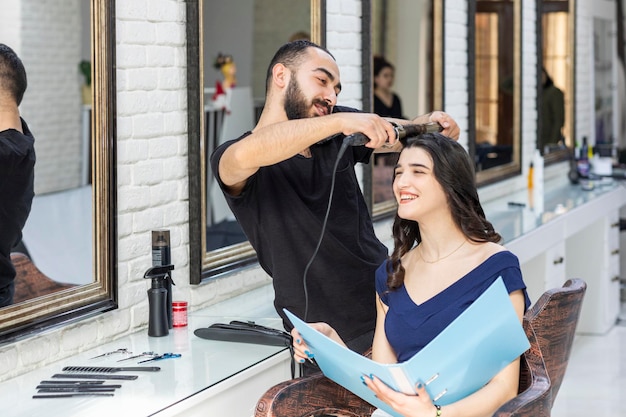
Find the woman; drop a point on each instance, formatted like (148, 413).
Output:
(445, 256)
(386, 102)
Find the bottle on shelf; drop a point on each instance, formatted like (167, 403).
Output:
(582, 164)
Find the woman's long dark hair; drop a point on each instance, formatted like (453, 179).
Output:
(454, 171)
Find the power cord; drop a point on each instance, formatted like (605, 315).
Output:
(344, 145)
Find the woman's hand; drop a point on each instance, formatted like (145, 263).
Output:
(418, 405)
(301, 350)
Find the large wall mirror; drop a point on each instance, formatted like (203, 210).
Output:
(495, 94)
(555, 137)
(407, 34)
(230, 41)
(66, 260)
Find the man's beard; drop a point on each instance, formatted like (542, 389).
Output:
(296, 104)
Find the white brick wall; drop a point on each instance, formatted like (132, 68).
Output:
(152, 152)
(455, 65)
(52, 106)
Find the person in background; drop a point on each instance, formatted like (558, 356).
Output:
(386, 101)
(552, 113)
(446, 254)
(277, 180)
(17, 164)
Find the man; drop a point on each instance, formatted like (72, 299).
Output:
(17, 163)
(277, 180)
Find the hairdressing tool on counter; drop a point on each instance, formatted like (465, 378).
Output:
(163, 356)
(74, 394)
(138, 356)
(124, 350)
(108, 370)
(93, 388)
(79, 382)
(96, 376)
(61, 385)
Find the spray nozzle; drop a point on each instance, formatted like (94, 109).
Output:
(159, 275)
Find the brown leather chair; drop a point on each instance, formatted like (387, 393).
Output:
(554, 318)
(30, 282)
(549, 324)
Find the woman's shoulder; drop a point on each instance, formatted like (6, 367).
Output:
(491, 249)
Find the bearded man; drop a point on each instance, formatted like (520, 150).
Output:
(277, 180)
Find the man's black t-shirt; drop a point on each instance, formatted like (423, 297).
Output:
(282, 209)
(17, 163)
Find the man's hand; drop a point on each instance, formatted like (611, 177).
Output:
(450, 127)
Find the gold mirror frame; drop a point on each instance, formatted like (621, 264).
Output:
(35, 315)
(388, 208)
(500, 172)
(203, 264)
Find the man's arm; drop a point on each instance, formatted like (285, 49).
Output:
(274, 143)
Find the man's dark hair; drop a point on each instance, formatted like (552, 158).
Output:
(290, 55)
(12, 73)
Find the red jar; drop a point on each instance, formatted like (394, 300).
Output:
(179, 313)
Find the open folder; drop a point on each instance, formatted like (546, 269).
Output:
(479, 343)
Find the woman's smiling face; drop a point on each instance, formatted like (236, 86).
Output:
(415, 187)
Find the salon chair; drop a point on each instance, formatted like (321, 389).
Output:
(550, 326)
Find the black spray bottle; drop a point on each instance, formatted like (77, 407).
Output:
(162, 255)
(157, 300)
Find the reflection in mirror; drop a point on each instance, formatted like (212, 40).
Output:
(65, 260)
(495, 136)
(603, 49)
(404, 33)
(556, 90)
(236, 41)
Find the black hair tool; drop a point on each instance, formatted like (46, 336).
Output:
(402, 132)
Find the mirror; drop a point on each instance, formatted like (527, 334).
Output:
(603, 53)
(556, 94)
(247, 33)
(74, 171)
(404, 33)
(494, 111)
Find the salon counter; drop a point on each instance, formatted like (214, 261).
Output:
(566, 232)
(199, 383)
(563, 231)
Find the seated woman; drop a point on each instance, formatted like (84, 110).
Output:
(445, 256)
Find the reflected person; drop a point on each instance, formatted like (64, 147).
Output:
(17, 164)
(552, 113)
(277, 180)
(386, 102)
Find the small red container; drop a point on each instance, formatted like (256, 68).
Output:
(179, 313)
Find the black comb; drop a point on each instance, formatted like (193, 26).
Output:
(95, 376)
(110, 370)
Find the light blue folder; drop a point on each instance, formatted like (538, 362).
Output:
(479, 343)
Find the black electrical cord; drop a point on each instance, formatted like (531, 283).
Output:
(342, 150)
(357, 139)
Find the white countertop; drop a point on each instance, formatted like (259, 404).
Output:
(558, 197)
(203, 364)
